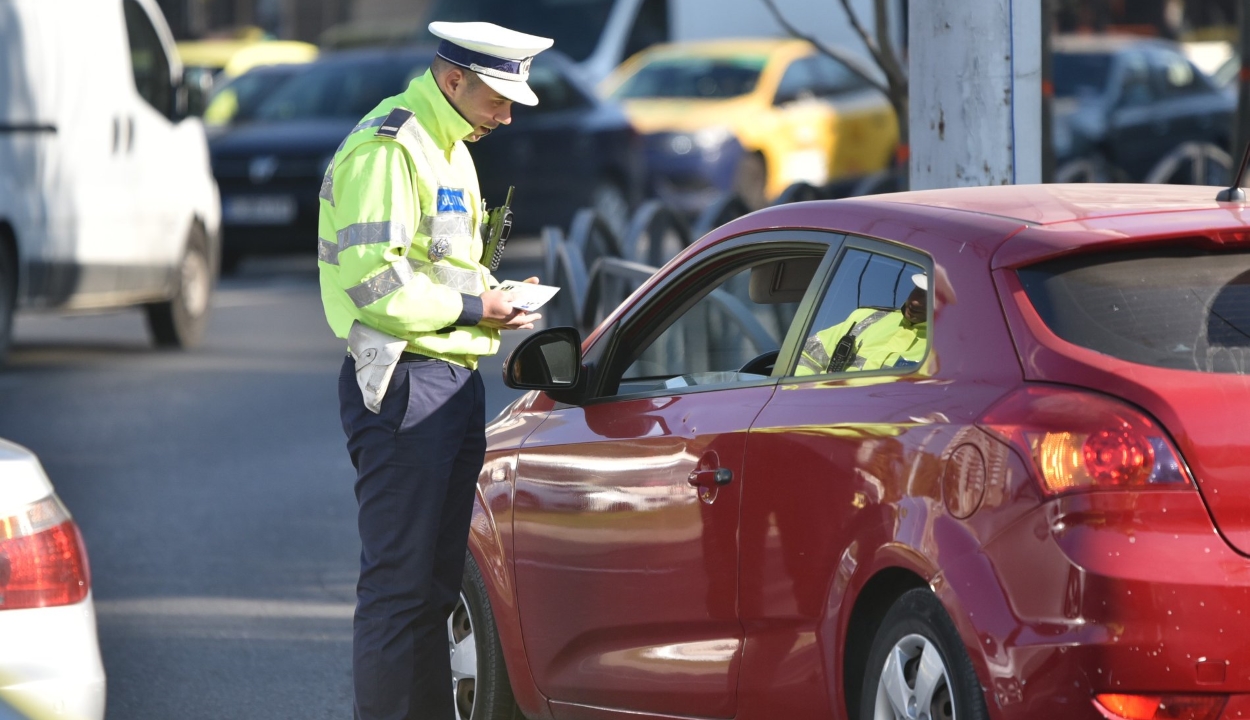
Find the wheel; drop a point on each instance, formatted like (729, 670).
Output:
(180, 321)
(479, 677)
(761, 364)
(611, 203)
(8, 296)
(918, 668)
(750, 179)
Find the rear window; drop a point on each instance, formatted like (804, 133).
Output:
(1180, 309)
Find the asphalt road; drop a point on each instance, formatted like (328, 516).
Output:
(214, 492)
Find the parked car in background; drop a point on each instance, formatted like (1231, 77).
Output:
(106, 195)
(750, 116)
(570, 151)
(1029, 505)
(210, 62)
(236, 101)
(50, 663)
(1123, 103)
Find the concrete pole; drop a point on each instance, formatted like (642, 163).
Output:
(976, 92)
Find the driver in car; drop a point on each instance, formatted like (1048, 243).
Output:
(871, 338)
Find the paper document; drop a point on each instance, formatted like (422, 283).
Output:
(528, 296)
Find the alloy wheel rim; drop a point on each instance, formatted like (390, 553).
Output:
(914, 684)
(461, 640)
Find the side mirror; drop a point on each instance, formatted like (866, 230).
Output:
(549, 360)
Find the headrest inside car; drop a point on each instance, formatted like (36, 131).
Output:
(782, 281)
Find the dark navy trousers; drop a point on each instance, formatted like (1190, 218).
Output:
(417, 464)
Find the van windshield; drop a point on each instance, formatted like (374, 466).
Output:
(575, 25)
(693, 77)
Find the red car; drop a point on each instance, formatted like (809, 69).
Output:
(968, 453)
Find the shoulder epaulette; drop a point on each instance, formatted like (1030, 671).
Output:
(394, 121)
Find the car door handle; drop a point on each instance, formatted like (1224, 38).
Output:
(711, 478)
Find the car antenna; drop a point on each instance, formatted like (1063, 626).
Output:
(1235, 193)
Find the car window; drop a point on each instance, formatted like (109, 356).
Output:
(1078, 74)
(1175, 76)
(834, 77)
(238, 99)
(668, 76)
(148, 60)
(799, 80)
(338, 90)
(1178, 308)
(743, 314)
(1136, 87)
(873, 316)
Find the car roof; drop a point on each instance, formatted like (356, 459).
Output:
(1050, 204)
(727, 46)
(1015, 224)
(1103, 44)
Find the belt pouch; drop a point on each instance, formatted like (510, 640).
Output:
(376, 354)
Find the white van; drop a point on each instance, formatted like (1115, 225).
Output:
(107, 199)
(600, 34)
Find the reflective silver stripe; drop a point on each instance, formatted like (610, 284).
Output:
(327, 185)
(448, 225)
(465, 281)
(814, 356)
(374, 232)
(327, 252)
(379, 286)
(859, 328)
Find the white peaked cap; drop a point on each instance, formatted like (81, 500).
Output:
(501, 57)
(921, 280)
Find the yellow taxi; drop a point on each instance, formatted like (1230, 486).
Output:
(210, 62)
(752, 116)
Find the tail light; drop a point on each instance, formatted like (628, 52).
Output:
(1114, 706)
(42, 559)
(1079, 440)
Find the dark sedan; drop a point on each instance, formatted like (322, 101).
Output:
(570, 151)
(1122, 104)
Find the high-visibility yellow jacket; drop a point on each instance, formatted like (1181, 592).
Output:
(882, 339)
(399, 245)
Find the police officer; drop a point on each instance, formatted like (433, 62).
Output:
(871, 339)
(402, 280)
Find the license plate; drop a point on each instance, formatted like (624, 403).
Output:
(258, 210)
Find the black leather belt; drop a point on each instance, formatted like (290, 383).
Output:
(414, 357)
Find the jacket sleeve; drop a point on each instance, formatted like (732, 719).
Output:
(376, 214)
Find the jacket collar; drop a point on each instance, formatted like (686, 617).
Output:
(442, 121)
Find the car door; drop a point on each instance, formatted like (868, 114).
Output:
(148, 132)
(824, 454)
(627, 507)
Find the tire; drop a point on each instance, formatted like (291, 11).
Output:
(917, 634)
(750, 180)
(180, 321)
(480, 682)
(8, 295)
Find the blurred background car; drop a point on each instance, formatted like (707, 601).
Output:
(752, 117)
(1122, 103)
(571, 150)
(208, 63)
(237, 100)
(50, 662)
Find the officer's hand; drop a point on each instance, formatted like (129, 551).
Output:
(497, 312)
